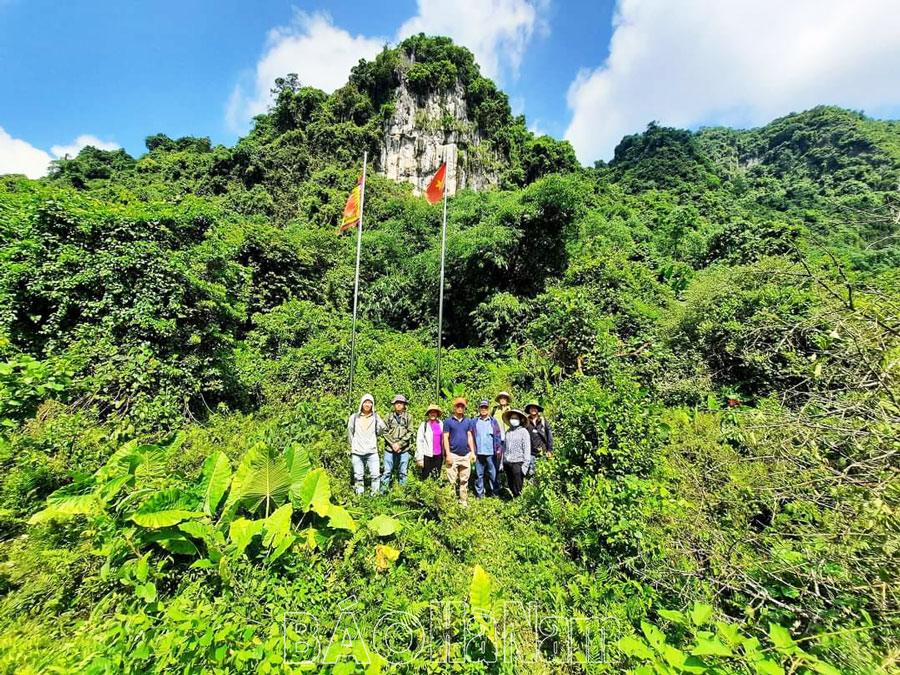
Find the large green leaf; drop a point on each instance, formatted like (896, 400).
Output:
(214, 540)
(673, 615)
(480, 589)
(71, 500)
(315, 493)
(633, 646)
(241, 533)
(277, 526)
(297, 459)
(711, 647)
(701, 613)
(674, 656)
(215, 476)
(654, 635)
(481, 602)
(824, 668)
(165, 508)
(384, 526)
(178, 544)
(339, 518)
(769, 667)
(261, 477)
(122, 461)
(781, 638)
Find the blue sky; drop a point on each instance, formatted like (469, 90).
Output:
(111, 73)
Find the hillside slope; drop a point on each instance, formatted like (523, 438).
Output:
(711, 322)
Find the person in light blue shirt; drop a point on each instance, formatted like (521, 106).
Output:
(488, 451)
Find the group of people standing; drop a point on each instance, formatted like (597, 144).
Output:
(497, 439)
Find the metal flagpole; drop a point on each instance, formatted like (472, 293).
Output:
(362, 199)
(441, 296)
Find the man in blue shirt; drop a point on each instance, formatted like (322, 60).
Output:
(488, 445)
(459, 448)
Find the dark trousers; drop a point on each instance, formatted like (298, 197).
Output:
(432, 466)
(514, 477)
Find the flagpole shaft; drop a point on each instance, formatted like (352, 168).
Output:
(362, 199)
(441, 291)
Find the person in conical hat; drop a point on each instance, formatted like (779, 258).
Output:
(429, 450)
(517, 450)
(541, 435)
(503, 400)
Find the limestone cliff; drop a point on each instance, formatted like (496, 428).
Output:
(424, 129)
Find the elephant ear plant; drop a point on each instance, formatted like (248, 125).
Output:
(275, 499)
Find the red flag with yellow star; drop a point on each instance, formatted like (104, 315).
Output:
(435, 191)
(350, 216)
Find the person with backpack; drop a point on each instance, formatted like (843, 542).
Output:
(541, 434)
(398, 437)
(503, 400)
(488, 451)
(429, 451)
(363, 429)
(459, 449)
(517, 450)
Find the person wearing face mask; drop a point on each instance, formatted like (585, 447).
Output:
(429, 453)
(517, 453)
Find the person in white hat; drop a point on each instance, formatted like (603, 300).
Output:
(429, 451)
(517, 453)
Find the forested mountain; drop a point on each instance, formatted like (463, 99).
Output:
(711, 321)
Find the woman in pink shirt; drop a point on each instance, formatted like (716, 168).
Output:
(428, 443)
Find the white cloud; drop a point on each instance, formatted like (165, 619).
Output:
(72, 149)
(313, 47)
(322, 54)
(535, 128)
(496, 31)
(738, 63)
(18, 156)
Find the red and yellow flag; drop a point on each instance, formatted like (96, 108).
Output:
(351, 209)
(435, 191)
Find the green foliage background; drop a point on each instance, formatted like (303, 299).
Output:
(711, 321)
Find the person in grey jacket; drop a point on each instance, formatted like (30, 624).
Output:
(517, 453)
(363, 429)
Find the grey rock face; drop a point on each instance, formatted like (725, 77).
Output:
(425, 129)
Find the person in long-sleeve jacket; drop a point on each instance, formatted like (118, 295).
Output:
(541, 434)
(488, 451)
(363, 429)
(398, 438)
(517, 453)
(429, 448)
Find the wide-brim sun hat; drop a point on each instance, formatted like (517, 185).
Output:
(510, 413)
(458, 400)
(534, 404)
(399, 398)
(503, 393)
(434, 407)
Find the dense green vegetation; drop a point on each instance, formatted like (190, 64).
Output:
(712, 321)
